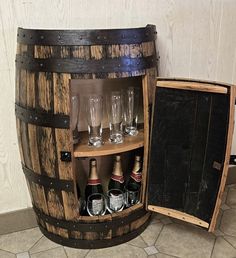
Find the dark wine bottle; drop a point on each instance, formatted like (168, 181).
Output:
(117, 179)
(94, 183)
(134, 182)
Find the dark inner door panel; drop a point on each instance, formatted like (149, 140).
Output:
(188, 143)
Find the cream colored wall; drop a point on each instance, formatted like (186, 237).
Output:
(195, 39)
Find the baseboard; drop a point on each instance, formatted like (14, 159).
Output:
(17, 221)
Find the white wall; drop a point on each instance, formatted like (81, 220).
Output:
(195, 39)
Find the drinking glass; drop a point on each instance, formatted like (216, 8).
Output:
(131, 197)
(94, 118)
(115, 116)
(96, 204)
(74, 117)
(115, 200)
(131, 111)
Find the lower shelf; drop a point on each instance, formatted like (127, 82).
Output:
(88, 233)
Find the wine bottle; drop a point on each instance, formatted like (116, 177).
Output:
(95, 200)
(134, 182)
(94, 183)
(115, 195)
(117, 179)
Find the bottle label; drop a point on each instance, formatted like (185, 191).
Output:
(94, 182)
(97, 206)
(116, 201)
(119, 179)
(136, 176)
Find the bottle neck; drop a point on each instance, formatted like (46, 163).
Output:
(137, 167)
(93, 176)
(116, 178)
(137, 177)
(94, 181)
(117, 170)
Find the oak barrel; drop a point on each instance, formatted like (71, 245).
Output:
(46, 61)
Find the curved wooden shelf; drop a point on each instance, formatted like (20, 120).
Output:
(108, 217)
(130, 143)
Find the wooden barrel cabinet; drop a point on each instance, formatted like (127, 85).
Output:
(187, 124)
(46, 63)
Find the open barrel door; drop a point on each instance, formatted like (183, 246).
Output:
(190, 144)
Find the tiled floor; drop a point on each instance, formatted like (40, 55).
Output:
(164, 238)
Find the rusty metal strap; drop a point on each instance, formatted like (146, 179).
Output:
(40, 118)
(86, 37)
(49, 182)
(90, 227)
(91, 244)
(78, 65)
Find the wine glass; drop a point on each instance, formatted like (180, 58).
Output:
(115, 200)
(74, 117)
(96, 204)
(94, 109)
(115, 116)
(131, 99)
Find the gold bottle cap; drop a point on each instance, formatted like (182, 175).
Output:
(117, 157)
(137, 158)
(93, 162)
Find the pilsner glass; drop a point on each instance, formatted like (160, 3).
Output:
(96, 204)
(131, 111)
(115, 116)
(74, 117)
(94, 117)
(115, 200)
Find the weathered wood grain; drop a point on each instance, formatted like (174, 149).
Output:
(61, 89)
(84, 53)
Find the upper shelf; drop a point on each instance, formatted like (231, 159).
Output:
(130, 143)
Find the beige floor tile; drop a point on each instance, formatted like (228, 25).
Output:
(224, 196)
(231, 240)
(42, 245)
(151, 233)
(76, 253)
(137, 241)
(224, 207)
(219, 218)
(161, 255)
(151, 250)
(119, 251)
(23, 255)
(231, 198)
(156, 217)
(185, 241)
(58, 252)
(217, 233)
(166, 221)
(4, 254)
(21, 241)
(228, 222)
(223, 249)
